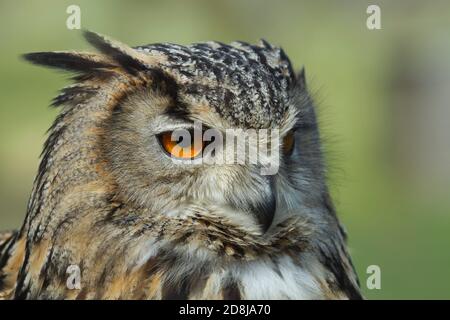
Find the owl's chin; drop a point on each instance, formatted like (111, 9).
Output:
(227, 215)
(224, 232)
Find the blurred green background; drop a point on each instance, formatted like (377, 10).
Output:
(383, 98)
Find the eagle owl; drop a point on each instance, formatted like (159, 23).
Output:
(109, 199)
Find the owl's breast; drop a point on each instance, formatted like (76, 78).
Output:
(283, 277)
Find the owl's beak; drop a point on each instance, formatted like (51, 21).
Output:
(266, 210)
(262, 207)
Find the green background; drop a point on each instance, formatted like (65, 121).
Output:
(381, 96)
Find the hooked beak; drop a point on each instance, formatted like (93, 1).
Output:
(265, 211)
(261, 207)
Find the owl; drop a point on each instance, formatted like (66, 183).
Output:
(115, 201)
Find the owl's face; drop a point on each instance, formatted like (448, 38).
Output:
(215, 87)
(142, 97)
(147, 214)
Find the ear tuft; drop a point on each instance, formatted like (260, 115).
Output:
(71, 61)
(301, 79)
(124, 55)
(264, 44)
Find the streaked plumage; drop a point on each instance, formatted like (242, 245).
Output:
(140, 227)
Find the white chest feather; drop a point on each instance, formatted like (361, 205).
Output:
(285, 280)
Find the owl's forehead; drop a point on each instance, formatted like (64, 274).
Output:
(248, 85)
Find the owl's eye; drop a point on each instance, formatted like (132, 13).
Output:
(182, 147)
(288, 143)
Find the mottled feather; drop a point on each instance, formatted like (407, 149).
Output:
(138, 227)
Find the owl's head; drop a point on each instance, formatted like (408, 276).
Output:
(143, 121)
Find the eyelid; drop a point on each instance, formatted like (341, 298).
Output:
(172, 127)
(165, 124)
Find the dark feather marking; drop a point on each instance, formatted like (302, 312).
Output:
(330, 207)
(66, 61)
(5, 247)
(131, 64)
(73, 94)
(163, 83)
(231, 291)
(111, 214)
(50, 270)
(2, 282)
(53, 267)
(150, 268)
(49, 146)
(176, 291)
(177, 112)
(285, 58)
(199, 280)
(99, 75)
(171, 290)
(5, 254)
(276, 267)
(22, 289)
(300, 80)
(336, 267)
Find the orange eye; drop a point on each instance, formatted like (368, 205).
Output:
(288, 143)
(183, 148)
